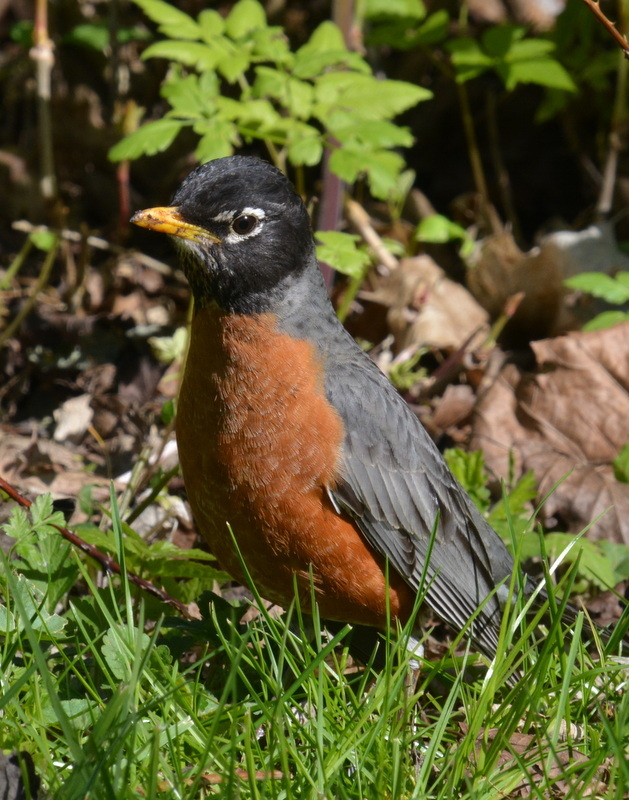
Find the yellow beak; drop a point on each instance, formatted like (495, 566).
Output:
(169, 220)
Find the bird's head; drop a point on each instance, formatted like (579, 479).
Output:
(242, 230)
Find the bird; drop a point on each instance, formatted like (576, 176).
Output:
(299, 457)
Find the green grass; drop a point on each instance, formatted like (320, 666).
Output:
(113, 705)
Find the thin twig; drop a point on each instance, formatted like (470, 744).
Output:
(107, 563)
(360, 221)
(621, 40)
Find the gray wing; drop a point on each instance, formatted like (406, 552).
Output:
(397, 488)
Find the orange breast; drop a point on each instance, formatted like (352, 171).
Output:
(259, 444)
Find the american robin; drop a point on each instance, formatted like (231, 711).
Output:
(288, 431)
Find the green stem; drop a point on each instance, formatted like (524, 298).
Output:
(28, 305)
(16, 264)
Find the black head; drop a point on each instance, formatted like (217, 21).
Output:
(242, 230)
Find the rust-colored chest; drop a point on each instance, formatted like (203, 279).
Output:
(259, 444)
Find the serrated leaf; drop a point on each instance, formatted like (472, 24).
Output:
(81, 712)
(600, 285)
(211, 23)
(593, 563)
(171, 21)
(119, 649)
(295, 95)
(187, 99)
(218, 138)
(325, 38)
(543, 72)
(325, 49)
(255, 113)
(366, 96)
(233, 65)
(305, 145)
(245, 16)
(340, 251)
(376, 133)
(32, 599)
(270, 44)
(191, 54)
(382, 168)
(151, 138)
(18, 525)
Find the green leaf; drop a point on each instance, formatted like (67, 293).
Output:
(32, 599)
(218, 138)
(468, 58)
(94, 35)
(377, 133)
(606, 320)
(366, 96)
(340, 251)
(191, 54)
(245, 16)
(120, 647)
(621, 465)
(618, 555)
(43, 240)
(295, 95)
(212, 25)
(469, 470)
(593, 564)
(530, 50)
(187, 99)
(167, 413)
(172, 22)
(381, 167)
(600, 285)
(168, 348)
(305, 145)
(18, 525)
(433, 30)
(326, 48)
(544, 72)
(499, 40)
(154, 137)
(270, 44)
(622, 277)
(437, 228)
(408, 9)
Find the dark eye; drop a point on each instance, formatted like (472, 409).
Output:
(244, 224)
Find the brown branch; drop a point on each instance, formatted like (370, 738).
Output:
(107, 563)
(621, 40)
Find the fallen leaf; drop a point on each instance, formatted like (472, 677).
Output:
(566, 422)
(73, 418)
(426, 308)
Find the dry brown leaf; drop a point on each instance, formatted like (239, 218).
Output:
(426, 308)
(572, 416)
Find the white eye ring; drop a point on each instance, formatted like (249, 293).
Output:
(245, 224)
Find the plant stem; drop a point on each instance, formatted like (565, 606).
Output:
(42, 55)
(28, 305)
